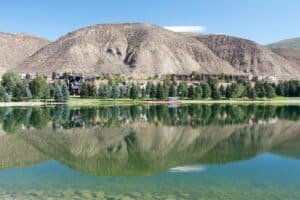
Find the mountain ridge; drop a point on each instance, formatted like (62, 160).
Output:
(292, 43)
(15, 48)
(142, 50)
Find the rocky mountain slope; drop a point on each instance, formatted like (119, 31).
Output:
(250, 57)
(142, 50)
(292, 55)
(15, 48)
(130, 49)
(293, 43)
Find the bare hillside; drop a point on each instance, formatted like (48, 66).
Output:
(250, 57)
(292, 55)
(130, 49)
(15, 48)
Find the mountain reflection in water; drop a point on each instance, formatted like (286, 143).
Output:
(145, 140)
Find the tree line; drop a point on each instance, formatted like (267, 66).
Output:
(13, 88)
(184, 90)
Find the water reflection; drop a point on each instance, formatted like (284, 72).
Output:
(145, 140)
(15, 119)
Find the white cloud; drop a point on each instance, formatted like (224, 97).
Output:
(193, 29)
(185, 169)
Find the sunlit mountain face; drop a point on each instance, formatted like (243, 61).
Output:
(115, 149)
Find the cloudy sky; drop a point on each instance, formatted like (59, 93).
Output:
(264, 21)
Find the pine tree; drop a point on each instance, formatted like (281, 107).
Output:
(133, 91)
(191, 92)
(198, 92)
(251, 94)
(143, 93)
(182, 90)
(148, 88)
(65, 92)
(159, 92)
(58, 96)
(259, 89)
(115, 92)
(152, 93)
(206, 90)
(103, 91)
(222, 90)
(270, 91)
(92, 90)
(172, 91)
(215, 93)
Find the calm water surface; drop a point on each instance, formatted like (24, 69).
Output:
(150, 152)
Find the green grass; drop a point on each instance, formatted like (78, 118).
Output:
(78, 101)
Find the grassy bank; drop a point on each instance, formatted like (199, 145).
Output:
(77, 101)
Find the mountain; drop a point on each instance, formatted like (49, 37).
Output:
(293, 43)
(15, 48)
(130, 49)
(250, 57)
(292, 55)
(141, 50)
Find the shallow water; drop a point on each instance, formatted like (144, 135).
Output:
(157, 152)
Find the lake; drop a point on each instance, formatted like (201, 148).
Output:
(150, 152)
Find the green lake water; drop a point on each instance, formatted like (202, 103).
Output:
(150, 152)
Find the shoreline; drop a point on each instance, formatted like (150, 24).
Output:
(28, 104)
(126, 102)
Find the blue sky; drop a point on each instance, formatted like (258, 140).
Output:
(264, 21)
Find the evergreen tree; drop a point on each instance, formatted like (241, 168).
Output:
(143, 93)
(84, 92)
(206, 90)
(123, 92)
(28, 94)
(235, 90)
(269, 91)
(103, 91)
(133, 91)
(58, 96)
(5, 97)
(222, 90)
(65, 92)
(191, 92)
(51, 91)
(148, 88)
(172, 91)
(182, 90)
(198, 92)
(92, 90)
(251, 94)
(115, 92)
(159, 92)
(280, 89)
(152, 93)
(260, 89)
(215, 92)
(3, 94)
